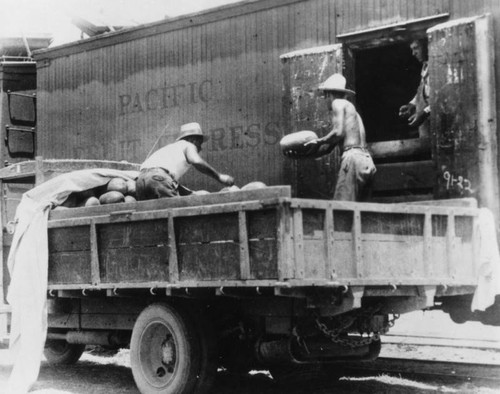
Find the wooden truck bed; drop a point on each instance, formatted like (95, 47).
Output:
(261, 238)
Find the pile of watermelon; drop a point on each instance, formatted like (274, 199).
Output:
(119, 190)
(115, 191)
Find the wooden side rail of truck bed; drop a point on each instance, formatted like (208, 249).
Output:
(249, 279)
(261, 238)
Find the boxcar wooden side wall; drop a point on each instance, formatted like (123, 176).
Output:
(119, 96)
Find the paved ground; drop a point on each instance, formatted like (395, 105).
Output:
(96, 374)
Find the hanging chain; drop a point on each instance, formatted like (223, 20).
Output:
(334, 334)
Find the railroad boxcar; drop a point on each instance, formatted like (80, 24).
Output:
(295, 270)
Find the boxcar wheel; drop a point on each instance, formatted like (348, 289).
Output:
(59, 351)
(164, 351)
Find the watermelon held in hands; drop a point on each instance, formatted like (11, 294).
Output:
(294, 145)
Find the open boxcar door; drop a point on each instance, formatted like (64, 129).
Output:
(463, 110)
(464, 126)
(305, 109)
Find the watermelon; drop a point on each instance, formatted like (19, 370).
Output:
(111, 197)
(293, 145)
(254, 185)
(92, 202)
(131, 188)
(117, 185)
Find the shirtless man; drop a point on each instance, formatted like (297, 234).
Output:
(357, 168)
(160, 173)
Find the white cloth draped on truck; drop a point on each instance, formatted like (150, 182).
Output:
(488, 269)
(28, 267)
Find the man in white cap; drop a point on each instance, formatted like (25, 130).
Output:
(356, 168)
(161, 172)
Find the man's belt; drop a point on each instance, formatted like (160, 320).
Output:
(159, 168)
(349, 147)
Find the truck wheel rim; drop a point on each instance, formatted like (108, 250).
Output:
(158, 354)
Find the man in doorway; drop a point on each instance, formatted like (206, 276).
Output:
(356, 167)
(417, 111)
(161, 172)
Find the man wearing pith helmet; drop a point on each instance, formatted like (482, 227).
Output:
(161, 172)
(356, 167)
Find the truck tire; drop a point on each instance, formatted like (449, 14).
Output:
(205, 332)
(58, 351)
(164, 351)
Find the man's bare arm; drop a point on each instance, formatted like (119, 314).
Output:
(194, 158)
(337, 133)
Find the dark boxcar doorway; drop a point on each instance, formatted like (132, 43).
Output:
(386, 78)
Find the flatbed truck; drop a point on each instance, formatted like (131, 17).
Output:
(251, 279)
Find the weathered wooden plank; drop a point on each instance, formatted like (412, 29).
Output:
(390, 208)
(70, 267)
(329, 229)
(94, 255)
(285, 244)
(127, 215)
(246, 196)
(451, 246)
(133, 234)
(262, 223)
(173, 262)
(357, 246)
(69, 239)
(298, 242)
(384, 150)
(385, 223)
(315, 258)
(427, 244)
(263, 255)
(139, 264)
(207, 228)
(417, 175)
(244, 247)
(208, 261)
